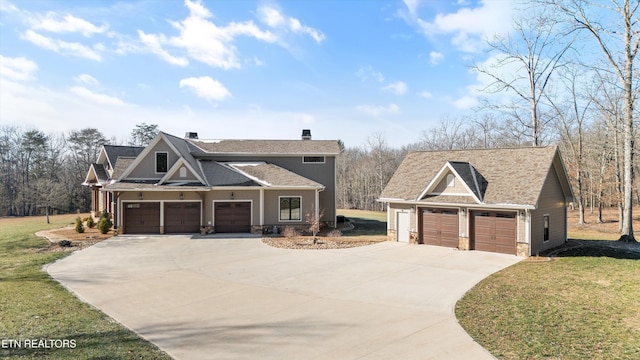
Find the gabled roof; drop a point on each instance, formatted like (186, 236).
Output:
(511, 176)
(113, 152)
(264, 147)
(96, 175)
(472, 180)
(121, 165)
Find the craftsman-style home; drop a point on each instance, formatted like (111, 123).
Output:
(189, 185)
(510, 201)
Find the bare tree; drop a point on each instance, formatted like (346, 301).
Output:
(524, 65)
(571, 117)
(616, 30)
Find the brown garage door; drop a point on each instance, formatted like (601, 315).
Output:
(142, 218)
(233, 217)
(440, 227)
(181, 217)
(494, 231)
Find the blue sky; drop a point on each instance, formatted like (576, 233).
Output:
(244, 69)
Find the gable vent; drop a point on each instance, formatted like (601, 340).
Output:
(191, 135)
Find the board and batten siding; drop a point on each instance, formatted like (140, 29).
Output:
(551, 202)
(146, 169)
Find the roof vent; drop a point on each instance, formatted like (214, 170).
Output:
(191, 135)
(306, 134)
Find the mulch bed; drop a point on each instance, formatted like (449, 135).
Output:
(78, 241)
(322, 243)
(597, 248)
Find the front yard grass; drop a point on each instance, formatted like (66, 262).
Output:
(33, 306)
(583, 305)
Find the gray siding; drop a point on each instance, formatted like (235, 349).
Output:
(146, 169)
(321, 173)
(551, 202)
(272, 205)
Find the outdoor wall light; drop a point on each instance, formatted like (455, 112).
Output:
(232, 196)
(181, 196)
(463, 212)
(140, 196)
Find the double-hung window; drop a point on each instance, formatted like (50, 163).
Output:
(290, 208)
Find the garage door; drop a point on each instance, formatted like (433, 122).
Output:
(440, 227)
(233, 217)
(181, 217)
(142, 218)
(494, 231)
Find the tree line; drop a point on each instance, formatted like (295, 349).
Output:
(566, 75)
(42, 172)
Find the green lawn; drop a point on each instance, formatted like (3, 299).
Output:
(585, 305)
(35, 307)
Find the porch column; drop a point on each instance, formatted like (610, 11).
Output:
(261, 207)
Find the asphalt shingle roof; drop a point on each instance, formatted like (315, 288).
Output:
(274, 176)
(513, 176)
(265, 147)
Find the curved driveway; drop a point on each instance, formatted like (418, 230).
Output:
(213, 298)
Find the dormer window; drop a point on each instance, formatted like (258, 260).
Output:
(162, 162)
(451, 180)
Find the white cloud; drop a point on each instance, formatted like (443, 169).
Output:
(426, 94)
(202, 39)
(17, 68)
(154, 45)
(398, 88)
(466, 102)
(86, 79)
(376, 111)
(368, 73)
(97, 98)
(435, 57)
(274, 18)
(62, 47)
(206, 88)
(68, 24)
(412, 5)
(470, 27)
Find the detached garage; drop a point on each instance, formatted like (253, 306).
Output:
(511, 201)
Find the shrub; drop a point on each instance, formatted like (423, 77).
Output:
(104, 225)
(290, 232)
(79, 226)
(90, 222)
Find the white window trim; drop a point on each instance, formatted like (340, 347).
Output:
(549, 221)
(155, 169)
(451, 180)
(280, 219)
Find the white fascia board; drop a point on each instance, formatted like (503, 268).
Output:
(176, 167)
(438, 178)
(483, 206)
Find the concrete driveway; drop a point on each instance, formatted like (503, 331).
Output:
(213, 298)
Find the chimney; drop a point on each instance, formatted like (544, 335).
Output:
(191, 135)
(306, 134)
